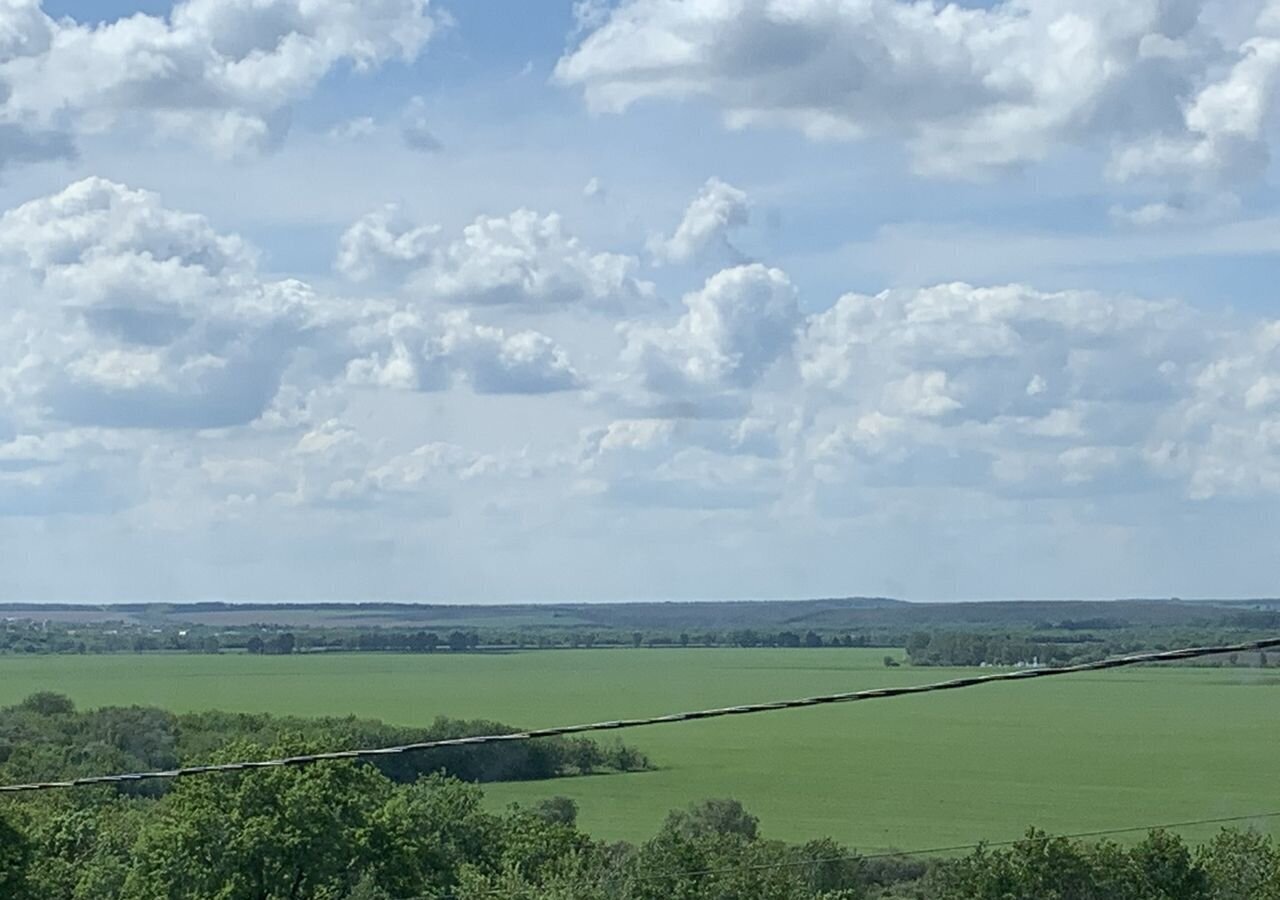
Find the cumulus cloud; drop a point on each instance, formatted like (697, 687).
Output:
(75, 471)
(220, 72)
(1010, 384)
(412, 354)
(129, 314)
(1224, 135)
(718, 208)
(334, 465)
(1223, 436)
(384, 243)
(523, 260)
(684, 464)
(122, 313)
(968, 88)
(528, 260)
(733, 329)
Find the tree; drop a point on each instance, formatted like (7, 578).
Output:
(15, 856)
(48, 703)
(282, 644)
(265, 835)
(1241, 865)
(1168, 868)
(458, 641)
(557, 810)
(255, 644)
(718, 816)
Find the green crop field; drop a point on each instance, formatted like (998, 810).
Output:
(1132, 747)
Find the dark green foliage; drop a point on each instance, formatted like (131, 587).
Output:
(713, 817)
(37, 744)
(15, 857)
(557, 810)
(344, 831)
(1241, 865)
(48, 703)
(1161, 867)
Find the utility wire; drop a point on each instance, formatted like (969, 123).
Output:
(895, 854)
(618, 724)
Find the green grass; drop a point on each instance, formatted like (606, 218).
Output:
(1132, 747)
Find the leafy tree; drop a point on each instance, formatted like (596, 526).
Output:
(719, 816)
(1168, 869)
(557, 810)
(48, 703)
(428, 833)
(15, 856)
(269, 834)
(1241, 865)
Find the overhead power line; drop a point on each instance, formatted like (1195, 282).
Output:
(618, 724)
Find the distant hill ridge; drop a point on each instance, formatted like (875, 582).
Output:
(820, 613)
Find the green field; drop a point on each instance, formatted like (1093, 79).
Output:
(1132, 747)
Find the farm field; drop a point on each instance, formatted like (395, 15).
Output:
(1133, 747)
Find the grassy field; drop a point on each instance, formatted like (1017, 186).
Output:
(1072, 754)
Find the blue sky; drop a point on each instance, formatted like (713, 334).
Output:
(568, 301)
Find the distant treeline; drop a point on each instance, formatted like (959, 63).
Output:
(19, 636)
(1060, 641)
(45, 737)
(952, 648)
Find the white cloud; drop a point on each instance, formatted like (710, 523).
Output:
(130, 314)
(524, 261)
(718, 208)
(223, 73)
(1183, 92)
(411, 354)
(383, 243)
(675, 464)
(276, 406)
(1224, 138)
(1223, 437)
(527, 260)
(733, 330)
(1031, 389)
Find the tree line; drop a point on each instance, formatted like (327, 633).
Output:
(45, 737)
(341, 831)
(968, 648)
(1051, 643)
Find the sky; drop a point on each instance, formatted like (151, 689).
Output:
(493, 301)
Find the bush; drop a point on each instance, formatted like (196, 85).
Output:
(48, 703)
